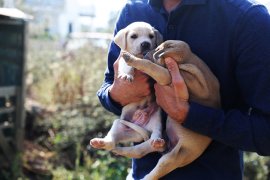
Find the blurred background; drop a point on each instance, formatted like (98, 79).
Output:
(57, 65)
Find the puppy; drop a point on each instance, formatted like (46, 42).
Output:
(184, 145)
(140, 121)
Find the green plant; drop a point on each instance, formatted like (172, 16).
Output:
(65, 84)
(256, 167)
(14, 171)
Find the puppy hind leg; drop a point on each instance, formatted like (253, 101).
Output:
(136, 151)
(155, 126)
(143, 132)
(115, 135)
(158, 144)
(166, 164)
(108, 142)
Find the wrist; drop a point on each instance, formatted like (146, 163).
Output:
(180, 114)
(114, 95)
(183, 113)
(110, 104)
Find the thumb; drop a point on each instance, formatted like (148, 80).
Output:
(115, 67)
(177, 80)
(173, 69)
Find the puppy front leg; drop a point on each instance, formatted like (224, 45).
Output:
(125, 71)
(160, 74)
(202, 89)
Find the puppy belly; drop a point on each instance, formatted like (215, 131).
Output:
(142, 114)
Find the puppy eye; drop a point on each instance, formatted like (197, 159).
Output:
(134, 36)
(151, 36)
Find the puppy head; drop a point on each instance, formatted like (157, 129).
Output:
(138, 38)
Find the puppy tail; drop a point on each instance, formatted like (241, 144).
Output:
(144, 133)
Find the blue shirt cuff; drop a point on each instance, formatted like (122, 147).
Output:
(112, 105)
(201, 119)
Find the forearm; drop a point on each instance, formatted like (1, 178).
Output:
(106, 101)
(239, 129)
(235, 125)
(114, 50)
(103, 92)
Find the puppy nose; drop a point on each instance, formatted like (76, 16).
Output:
(145, 46)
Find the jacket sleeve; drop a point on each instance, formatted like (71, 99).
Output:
(247, 130)
(114, 50)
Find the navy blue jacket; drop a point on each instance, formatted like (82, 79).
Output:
(233, 38)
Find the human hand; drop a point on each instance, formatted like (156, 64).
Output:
(173, 98)
(124, 92)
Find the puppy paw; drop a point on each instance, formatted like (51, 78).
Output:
(126, 77)
(97, 143)
(158, 144)
(161, 62)
(127, 56)
(100, 143)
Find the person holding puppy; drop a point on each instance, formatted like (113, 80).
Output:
(232, 38)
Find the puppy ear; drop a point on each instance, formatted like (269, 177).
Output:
(120, 39)
(159, 38)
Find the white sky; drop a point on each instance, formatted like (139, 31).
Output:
(264, 1)
(104, 4)
(103, 9)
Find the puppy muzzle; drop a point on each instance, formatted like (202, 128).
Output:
(145, 47)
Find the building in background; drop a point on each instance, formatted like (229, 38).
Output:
(8, 4)
(59, 17)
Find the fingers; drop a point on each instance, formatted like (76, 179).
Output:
(115, 68)
(178, 82)
(173, 69)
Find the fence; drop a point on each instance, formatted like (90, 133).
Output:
(12, 65)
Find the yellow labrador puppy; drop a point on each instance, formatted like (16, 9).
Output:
(139, 121)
